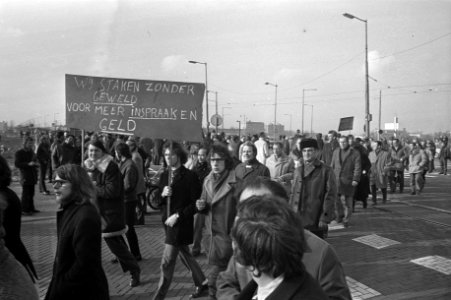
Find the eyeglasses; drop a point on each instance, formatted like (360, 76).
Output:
(59, 182)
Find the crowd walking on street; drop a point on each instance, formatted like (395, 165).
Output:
(259, 209)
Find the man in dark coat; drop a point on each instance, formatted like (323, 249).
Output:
(130, 174)
(250, 167)
(314, 190)
(25, 161)
(178, 198)
(329, 147)
(347, 168)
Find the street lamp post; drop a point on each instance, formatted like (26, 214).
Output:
(206, 91)
(367, 85)
(311, 120)
(291, 117)
(216, 107)
(303, 99)
(223, 118)
(275, 108)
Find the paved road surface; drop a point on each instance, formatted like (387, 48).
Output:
(400, 250)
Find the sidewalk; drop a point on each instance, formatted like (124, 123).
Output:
(377, 251)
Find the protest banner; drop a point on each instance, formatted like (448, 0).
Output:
(146, 108)
(346, 124)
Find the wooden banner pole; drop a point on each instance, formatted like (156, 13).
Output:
(170, 177)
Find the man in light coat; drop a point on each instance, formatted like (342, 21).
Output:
(417, 162)
(281, 166)
(347, 168)
(262, 149)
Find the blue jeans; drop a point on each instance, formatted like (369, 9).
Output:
(167, 267)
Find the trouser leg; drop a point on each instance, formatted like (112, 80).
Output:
(199, 224)
(166, 271)
(119, 248)
(50, 172)
(419, 182)
(384, 195)
(401, 180)
(141, 209)
(374, 193)
(190, 262)
(212, 278)
(130, 219)
(413, 182)
(42, 172)
(346, 201)
(392, 179)
(339, 209)
(27, 198)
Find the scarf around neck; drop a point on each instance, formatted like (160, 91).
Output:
(100, 164)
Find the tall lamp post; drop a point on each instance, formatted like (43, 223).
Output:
(239, 129)
(291, 118)
(367, 85)
(303, 100)
(223, 118)
(275, 108)
(206, 91)
(311, 120)
(216, 107)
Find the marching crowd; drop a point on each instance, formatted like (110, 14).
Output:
(263, 208)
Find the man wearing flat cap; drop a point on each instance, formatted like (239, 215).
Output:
(314, 190)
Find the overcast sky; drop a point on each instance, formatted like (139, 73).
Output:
(294, 44)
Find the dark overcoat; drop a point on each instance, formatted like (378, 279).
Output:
(110, 198)
(12, 223)
(28, 174)
(248, 171)
(186, 189)
(347, 168)
(77, 269)
(314, 193)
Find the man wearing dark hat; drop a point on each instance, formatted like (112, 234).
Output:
(314, 190)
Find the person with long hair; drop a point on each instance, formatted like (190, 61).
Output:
(178, 193)
(77, 269)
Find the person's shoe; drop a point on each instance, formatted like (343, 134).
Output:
(134, 281)
(138, 257)
(35, 211)
(200, 291)
(27, 213)
(412, 193)
(346, 224)
(114, 260)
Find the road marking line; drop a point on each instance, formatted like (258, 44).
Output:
(375, 241)
(359, 290)
(435, 262)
